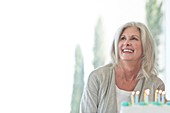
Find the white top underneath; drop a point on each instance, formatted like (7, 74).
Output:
(122, 96)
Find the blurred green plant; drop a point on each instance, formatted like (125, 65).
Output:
(154, 18)
(99, 45)
(78, 83)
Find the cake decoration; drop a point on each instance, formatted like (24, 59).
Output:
(157, 106)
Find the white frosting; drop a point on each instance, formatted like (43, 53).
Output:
(145, 109)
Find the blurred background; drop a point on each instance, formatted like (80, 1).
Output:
(49, 47)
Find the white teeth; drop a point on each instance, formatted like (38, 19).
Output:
(127, 50)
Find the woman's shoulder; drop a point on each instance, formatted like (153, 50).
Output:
(103, 69)
(102, 72)
(156, 81)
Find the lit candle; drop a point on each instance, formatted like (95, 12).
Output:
(137, 97)
(132, 97)
(159, 95)
(146, 95)
(163, 97)
(156, 95)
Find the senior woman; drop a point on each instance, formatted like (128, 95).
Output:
(133, 69)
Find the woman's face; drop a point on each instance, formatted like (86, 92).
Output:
(130, 45)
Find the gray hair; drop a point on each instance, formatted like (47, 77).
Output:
(148, 66)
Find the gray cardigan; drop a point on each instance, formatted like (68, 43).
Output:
(100, 92)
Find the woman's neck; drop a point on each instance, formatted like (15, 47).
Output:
(129, 70)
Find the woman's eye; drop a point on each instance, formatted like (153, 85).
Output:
(122, 38)
(134, 38)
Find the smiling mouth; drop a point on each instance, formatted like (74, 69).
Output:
(127, 51)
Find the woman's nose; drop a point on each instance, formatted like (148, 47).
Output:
(127, 43)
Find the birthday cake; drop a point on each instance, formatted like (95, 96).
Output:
(145, 108)
(158, 106)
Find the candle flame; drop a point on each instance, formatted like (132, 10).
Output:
(133, 93)
(156, 91)
(160, 91)
(137, 92)
(163, 92)
(147, 91)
